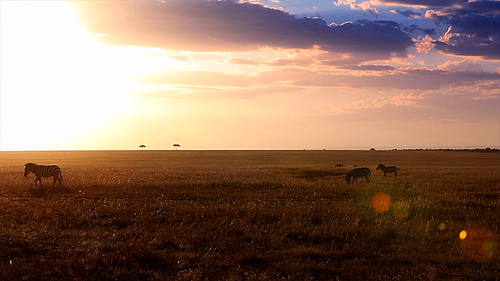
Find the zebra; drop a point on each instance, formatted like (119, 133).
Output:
(43, 171)
(339, 165)
(390, 169)
(357, 173)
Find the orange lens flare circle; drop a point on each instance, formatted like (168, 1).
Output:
(382, 202)
(480, 244)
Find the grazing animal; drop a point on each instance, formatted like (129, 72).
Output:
(43, 171)
(354, 174)
(339, 165)
(390, 169)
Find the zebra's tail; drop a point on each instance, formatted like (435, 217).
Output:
(60, 176)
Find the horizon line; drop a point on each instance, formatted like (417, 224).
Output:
(267, 149)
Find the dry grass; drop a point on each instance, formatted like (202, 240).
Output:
(251, 215)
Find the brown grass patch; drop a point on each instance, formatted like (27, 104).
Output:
(245, 215)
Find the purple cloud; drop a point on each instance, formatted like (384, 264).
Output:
(474, 25)
(230, 26)
(409, 14)
(474, 30)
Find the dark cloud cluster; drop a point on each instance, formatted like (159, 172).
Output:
(228, 25)
(199, 25)
(474, 29)
(412, 28)
(474, 26)
(409, 14)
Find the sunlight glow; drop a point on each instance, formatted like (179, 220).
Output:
(56, 83)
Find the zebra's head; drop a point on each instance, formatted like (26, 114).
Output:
(348, 177)
(380, 166)
(28, 168)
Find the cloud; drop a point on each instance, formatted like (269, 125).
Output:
(230, 26)
(408, 14)
(453, 73)
(411, 78)
(214, 93)
(369, 67)
(422, 3)
(474, 29)
(463, 65)
(197, 78)
(474, 26)
(242, 61)
(425, 44)
(364, 6)
(463, 103)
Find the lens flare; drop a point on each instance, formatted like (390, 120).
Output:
(490, 247)
(382, 202)
(480, 244)
(442, 226)
(401, 209)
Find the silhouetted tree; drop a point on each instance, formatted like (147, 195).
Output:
(142, 146)
(176, 145)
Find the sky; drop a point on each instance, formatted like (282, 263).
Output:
(269, 74)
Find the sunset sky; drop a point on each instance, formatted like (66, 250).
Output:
(270, 74)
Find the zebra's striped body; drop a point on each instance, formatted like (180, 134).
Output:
(43, 171)
(354, 174)
(390, 169)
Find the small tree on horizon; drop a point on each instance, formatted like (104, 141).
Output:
(176, 145)
(142, 146)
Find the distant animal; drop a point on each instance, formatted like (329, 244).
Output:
(339, 165)
(390, 169)
(355, 165)
(354, 174)
(43, 171)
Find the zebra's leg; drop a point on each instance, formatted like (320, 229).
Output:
(58, 178)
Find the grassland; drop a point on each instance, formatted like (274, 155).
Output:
(251, 215)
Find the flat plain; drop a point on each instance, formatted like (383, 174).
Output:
(251, 215)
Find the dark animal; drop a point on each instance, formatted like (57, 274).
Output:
(339, 165)
(43, 171)
(390, 169)
(354, 174)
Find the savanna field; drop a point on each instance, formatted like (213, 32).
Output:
(251, 215)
